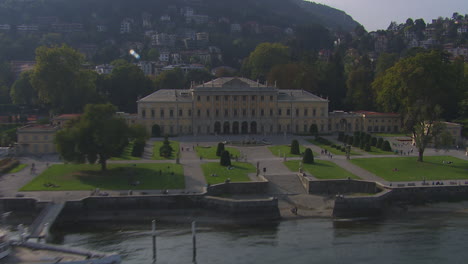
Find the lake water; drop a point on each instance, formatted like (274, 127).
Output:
(409, 238)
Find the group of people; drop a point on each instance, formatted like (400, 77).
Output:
(326, 152)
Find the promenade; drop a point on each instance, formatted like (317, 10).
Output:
(283, 183)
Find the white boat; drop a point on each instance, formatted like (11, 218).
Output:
(4, 245)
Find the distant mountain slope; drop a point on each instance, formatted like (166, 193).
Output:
(274, 12)
(331, 17)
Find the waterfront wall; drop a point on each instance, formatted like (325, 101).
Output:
(333, 187)
(148, 207)
(375, 205)
(139, 208)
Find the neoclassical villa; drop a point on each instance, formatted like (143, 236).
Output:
(234, 105)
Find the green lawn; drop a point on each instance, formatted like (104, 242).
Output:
(238, 174)
(275, 150)
(157, 145)
(333, 151)
(127, 153)
(377, 151)
(118, 177)
(18, 168)
(321, 169)
(408, 169)
(209, 152)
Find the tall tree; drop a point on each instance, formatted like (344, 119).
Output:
(125, 85)
(22, 91)
(418, 87)
(294, 76)
(61, 82)
(98, 133)
(264, 58)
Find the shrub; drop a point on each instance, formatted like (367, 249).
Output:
(350, 140)
(138, 147)
(373, 141)
(166, 150)
(386, 146)
(308, 157)
(225, 159)
(362, 145)
(345, 139)
(220, 149)
(295, 147)
(379, 143)
(367, 148)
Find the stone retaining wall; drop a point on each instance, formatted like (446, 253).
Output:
(332, 187)
(137, 208)
(238, 188)
(347, 206)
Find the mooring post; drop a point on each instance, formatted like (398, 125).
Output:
(194, 240)
(153, 234)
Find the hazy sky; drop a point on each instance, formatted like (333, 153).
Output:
(377, 14)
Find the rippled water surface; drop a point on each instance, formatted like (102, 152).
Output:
(438, 238)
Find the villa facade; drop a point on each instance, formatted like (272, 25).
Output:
(233, 106)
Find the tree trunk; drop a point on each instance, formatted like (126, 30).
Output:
(103, 164)
(420, 156)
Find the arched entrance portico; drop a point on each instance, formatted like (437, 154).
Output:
(226, 128)
(253, 127)
(217, 128)
(343, 125)
(235, 128)
(245, 127)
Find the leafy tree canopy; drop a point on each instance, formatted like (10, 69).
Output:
(98, 133)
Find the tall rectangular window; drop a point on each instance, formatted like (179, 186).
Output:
(180, 112)
(190, 112)
(198, 112)
(253, 112)
(262, 112)
(208, 112)
(288, 112)
(306, 111)
(226, 112)
(161, 113)
(217, 112)
(279, 112)
(171, 113)
(152, 113)
(297, 111)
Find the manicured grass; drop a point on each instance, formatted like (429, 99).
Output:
(238, 174)
(158, 144)
(333, 151)
(408, 169)
(321, 169)
(285, 149)
(18, 168)
(209, 152)
(377, 151)
(117, 177)
(127, 153)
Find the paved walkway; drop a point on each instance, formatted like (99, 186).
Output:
(284, 183)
